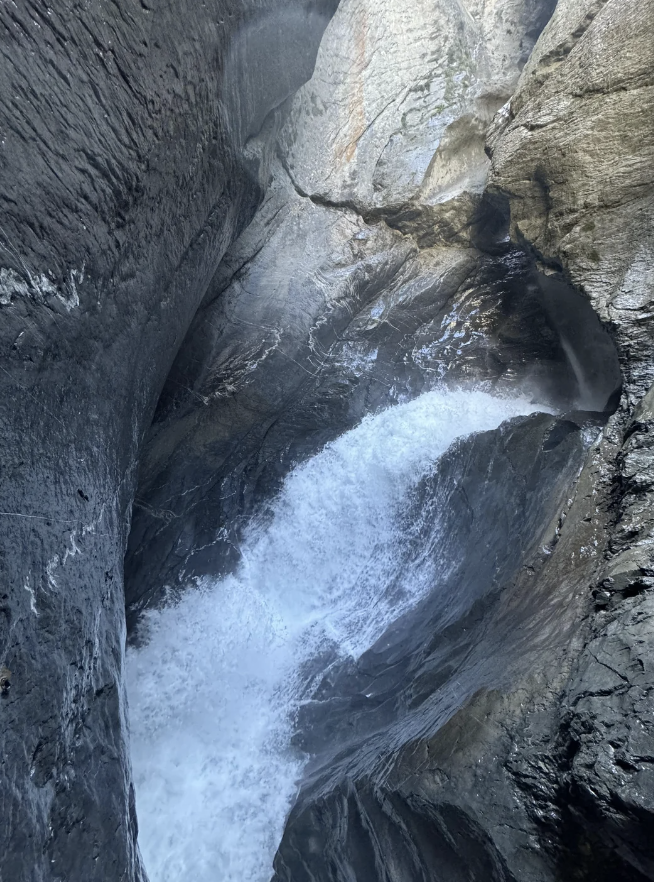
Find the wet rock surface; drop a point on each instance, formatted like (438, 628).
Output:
(481, 740)
(330, 306)
(548, 776)
(514, 481)
(510, 740)
(573, 150)
(123, 180)
(504, 734)
(286, 357)
(446, 761)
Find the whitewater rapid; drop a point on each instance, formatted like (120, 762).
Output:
(214, 693)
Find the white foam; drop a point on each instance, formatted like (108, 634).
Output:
(213, 694)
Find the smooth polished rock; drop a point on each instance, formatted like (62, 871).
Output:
(547, 778)
(452, 749)
(329, 307)
(412, 743)
(398, 106)
(295, 346)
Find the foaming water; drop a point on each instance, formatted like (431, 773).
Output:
(214, 693)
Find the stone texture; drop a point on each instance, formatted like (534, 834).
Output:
(122, 182)
(573, 153)
(334, 303)
(574, 150)
(546, 776)
(295, 347)
(402, 95)
(509, 732)
(411, 773)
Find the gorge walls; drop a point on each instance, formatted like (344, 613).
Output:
(546, 775)
(123, 180)
(373, 271)
(213, 260)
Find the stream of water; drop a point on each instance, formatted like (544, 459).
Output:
(213, 694)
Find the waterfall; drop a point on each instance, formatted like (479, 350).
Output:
(214, 692)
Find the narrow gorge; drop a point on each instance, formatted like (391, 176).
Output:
(327, 492)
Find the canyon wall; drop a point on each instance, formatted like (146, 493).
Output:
(124, 177)
(374, 270)
(540, 768)
(208, 270)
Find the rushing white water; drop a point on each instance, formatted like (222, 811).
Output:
(213, 694)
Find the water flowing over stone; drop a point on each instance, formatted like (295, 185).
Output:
(397, 287)
(235, 236)
(215, 692)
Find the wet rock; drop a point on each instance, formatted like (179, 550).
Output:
(609, 729)
(292, 352)
(417, 746)
(124, 178)
(507, 731)
(294, 345)
(5, 681)
(394, 119)
(546, 777)
(574, 149)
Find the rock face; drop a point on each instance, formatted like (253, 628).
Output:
(123, 179)
(394, 118)
(507, 736)
(405, 784)
(428, 212)
(583, 119)
(264, 379)
(546, 775)
(574, 150)
(401, 281)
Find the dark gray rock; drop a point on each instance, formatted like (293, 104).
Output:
(123, 179)
(586, 96)
(607, 728)
(373, 271)
(545, 771)
(412, 744)
(507, 733)
(528, 753)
